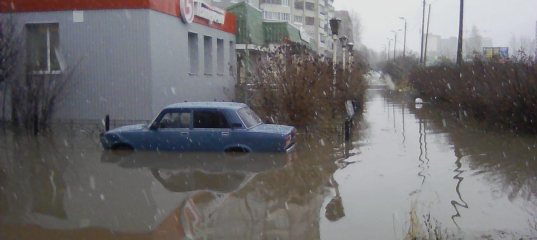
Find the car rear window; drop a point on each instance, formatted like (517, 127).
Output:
(249, 117)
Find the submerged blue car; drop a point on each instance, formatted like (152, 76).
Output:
(203, 127)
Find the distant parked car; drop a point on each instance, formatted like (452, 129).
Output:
(203, 127)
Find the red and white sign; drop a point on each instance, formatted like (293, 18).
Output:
(187, 10)
(211, 13)
(192, 8)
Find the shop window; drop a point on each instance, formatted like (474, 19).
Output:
(208, 54)
(220, 56)
(193, 52)
(42, 45)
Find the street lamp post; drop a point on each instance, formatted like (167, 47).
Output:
(351, 55)
(394, 45)
(343, 41)
(334, 26)
(389, 48)
(404, 44)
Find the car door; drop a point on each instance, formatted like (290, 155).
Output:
(172, 132)
(211, 130)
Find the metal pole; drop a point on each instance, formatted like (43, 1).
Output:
(459, 45)
(334, 61)
(351, 55)
(422, 32)
(404, 45)
(427, 37)
(395, 46)
(344, 57)
(389, 48)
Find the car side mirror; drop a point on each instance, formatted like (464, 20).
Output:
(236, 125)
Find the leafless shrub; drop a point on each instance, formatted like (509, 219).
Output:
(400, 68)
(35, 96)
(502, 93)
(294, 86)
(9, 57)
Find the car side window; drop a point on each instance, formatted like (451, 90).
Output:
(176, 120)
(210, 119)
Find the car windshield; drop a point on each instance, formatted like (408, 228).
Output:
(249, 117)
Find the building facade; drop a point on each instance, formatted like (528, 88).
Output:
(310, 16)
(130, 58)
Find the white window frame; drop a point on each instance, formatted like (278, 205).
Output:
(49, 62)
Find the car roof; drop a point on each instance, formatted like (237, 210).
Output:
(219, 105)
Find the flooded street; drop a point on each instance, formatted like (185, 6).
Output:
(407, 170)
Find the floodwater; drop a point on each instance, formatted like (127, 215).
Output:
(407, 172)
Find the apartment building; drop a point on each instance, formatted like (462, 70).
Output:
(310, 16)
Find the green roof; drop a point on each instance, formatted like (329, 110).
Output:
(249, 24)
(252, 30)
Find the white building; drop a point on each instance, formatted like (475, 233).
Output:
(311, 16)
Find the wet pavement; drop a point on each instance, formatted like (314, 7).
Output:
(406, 171)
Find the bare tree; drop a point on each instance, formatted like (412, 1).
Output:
(34, 95)
(9, 56)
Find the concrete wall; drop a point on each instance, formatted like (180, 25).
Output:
(113, 76)
(132, 63)
(172, 81)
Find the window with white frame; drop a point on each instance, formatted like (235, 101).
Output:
(299, 19)
(285, 17)
(276, 2)
(42, 46)
(276, 16)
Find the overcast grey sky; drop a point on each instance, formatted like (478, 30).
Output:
(496, 19)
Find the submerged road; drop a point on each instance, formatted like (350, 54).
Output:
(407, 171)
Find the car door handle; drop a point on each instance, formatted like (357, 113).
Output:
(225, 134)
(184, 133)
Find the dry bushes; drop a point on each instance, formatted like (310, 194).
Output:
(502, 93)
(291, 85)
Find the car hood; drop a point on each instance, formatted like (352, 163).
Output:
(128, 128)
(272, 128)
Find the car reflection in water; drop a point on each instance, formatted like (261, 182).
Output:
(208, 179)
(186, 172)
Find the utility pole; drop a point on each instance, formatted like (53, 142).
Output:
(394, 45)
(404, 44)
(389, 48)
(422, 32)
(427, 37)
(459, 45)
